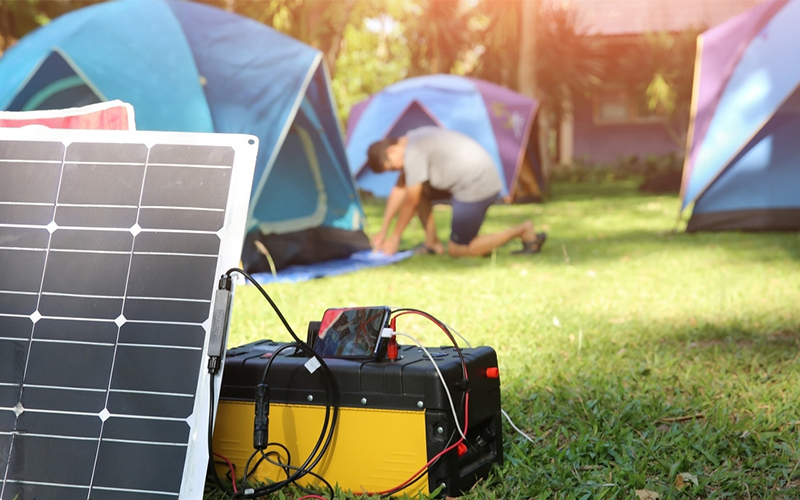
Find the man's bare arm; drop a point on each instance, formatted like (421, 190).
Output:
(393, 204)
(407, 211)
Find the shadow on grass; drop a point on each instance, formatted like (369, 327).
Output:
(640, 243)
(628, 245)
(600, 222)
(716, 404)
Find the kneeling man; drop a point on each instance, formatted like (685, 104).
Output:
(433, 163)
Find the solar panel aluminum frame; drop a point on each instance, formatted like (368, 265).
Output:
(111, 246)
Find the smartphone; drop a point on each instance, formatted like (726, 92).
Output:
(351, 332)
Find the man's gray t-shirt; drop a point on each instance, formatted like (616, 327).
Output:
(452, 162)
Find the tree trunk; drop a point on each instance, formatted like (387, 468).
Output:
(526, 72)
(526, 76)
(332, 52)
(6, 37)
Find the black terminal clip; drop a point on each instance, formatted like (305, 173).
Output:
(261, 421)
(219, 323)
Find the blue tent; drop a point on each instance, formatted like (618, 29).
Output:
(742, 169)
(499, 119)
(190, 67)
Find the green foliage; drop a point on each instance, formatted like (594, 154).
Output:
(496, 28)
(374, 54)
(435, 34)
(18, 17)
(569, 62)
(665, 65)
(655, 173)
(629, 353)
(660, 67)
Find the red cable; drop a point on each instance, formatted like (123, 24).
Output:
(466, 404)
(439, 455)
(435, 322)
(233, 471)
(431, 461)
(424, 468)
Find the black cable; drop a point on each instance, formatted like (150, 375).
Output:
(248, 472)
(308, 465)
(332, 407)
(310, 492)
(440, 324)
(269, 299)
(332, 403)
(278, 461)
(326, 420)
(444, 327)
(213, 467)
(247, 468)
(301, 471)
(288, 457)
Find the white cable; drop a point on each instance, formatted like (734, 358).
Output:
(515, 427)
(459, 335)
(441, 378)
(501, 410)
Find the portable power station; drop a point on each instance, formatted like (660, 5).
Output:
(394, 417)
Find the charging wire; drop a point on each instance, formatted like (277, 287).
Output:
(466, 342)
(231, 468)
(441, 378)
(424, 469)
(331, 414)
(514, 426)
(511, 422)
(332, 407)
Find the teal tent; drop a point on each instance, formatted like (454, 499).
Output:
(742, 168)
(190, 67)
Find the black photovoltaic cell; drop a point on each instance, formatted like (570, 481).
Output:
(110, 251)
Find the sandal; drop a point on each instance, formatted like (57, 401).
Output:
(423, 249)
(531, 247)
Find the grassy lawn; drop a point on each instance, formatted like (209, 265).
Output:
(634, 356)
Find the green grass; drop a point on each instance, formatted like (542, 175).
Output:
(630, 353)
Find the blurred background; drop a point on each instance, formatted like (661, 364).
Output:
(613, 77)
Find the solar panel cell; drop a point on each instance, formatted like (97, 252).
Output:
(113, 242)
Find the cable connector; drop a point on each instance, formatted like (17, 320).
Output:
(392, 349)
(261, 419)
(225, 282)
(219, 323)
(214, 363)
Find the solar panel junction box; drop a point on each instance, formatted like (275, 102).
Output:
(394, 417)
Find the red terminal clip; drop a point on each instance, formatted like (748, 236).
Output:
(493, 372)
(462, 449)
(392, 349)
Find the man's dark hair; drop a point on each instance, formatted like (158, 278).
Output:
(376, 154)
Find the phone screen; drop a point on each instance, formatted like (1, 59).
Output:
(351, 331)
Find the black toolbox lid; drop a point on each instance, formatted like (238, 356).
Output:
(409, 383)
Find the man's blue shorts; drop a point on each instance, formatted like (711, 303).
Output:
(468, 218)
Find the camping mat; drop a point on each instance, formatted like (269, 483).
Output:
(359, 260)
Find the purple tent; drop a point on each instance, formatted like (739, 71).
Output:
(501, 120)
(742, 167)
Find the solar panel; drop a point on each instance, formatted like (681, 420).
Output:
(111, 244)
